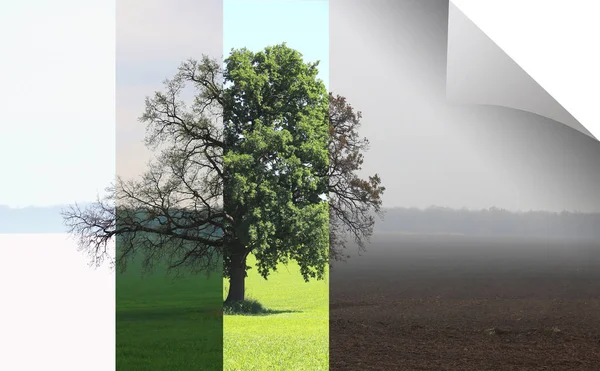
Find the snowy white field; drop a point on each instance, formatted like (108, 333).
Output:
(56, 312)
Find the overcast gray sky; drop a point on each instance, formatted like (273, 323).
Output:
(153, 38)
(390, 59)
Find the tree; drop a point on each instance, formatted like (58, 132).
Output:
(352, 200)
(262, 161)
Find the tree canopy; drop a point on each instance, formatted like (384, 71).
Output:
(263, 160)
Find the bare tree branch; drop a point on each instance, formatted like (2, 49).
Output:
(352, 200)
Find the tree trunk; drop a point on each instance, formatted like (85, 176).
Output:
(237, 278)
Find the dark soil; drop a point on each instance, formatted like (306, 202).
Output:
(458, 303)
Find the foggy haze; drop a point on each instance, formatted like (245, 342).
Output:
(390, 59)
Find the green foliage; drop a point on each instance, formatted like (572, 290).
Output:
(276, 135)
(262, 161)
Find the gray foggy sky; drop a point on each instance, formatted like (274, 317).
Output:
(153, 38)
(390, 59)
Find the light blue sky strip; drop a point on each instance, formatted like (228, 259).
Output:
(302, 24)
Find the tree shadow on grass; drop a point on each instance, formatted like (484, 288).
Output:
(251, 307)
(265, 312)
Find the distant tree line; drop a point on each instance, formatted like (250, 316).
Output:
(31, 220)
(491, 222)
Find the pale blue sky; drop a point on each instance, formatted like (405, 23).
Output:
(302, 24)
(57, 100)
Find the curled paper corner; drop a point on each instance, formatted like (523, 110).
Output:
(479, 72)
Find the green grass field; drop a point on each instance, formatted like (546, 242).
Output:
(164, 324)
(296, 338)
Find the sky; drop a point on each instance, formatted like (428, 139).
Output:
(84, 127)
(302, 24)
(392, 61)
(378, 59)
(58, 127)
(143, 63)
(153, 38)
